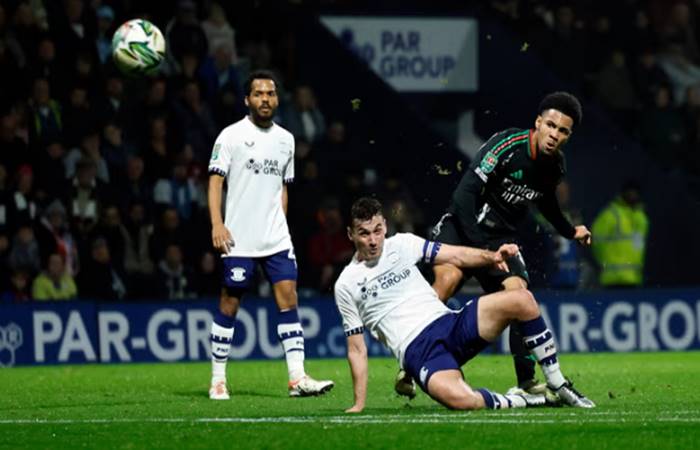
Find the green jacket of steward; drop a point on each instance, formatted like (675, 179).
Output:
(619, 243)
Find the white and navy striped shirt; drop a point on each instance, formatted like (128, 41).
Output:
(390, 297)
(256, 163)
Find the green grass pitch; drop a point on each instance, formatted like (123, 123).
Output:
(645, 401)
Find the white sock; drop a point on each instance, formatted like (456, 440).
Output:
(494, 400)
(291, 336)
(542, 346)
(221, 339)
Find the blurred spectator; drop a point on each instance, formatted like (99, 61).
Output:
(84, 197)
(179, 192)
(153, 105)
(615, 90)
(24, 253)
(103, 42)
(168, 231)
(111, 229)
(329, 249)
(672, 23)
(403, 214)
(54, 283)
(45, 113)
(681, 71)
(207, 278)
(620, 232)
(54, 237)
(173, 279)
(51, 181)
(25, 29)
(222, 85)
(305, 196)
(220, 33)
(303, 118)
(24, 206)
(14, 149)
(649, 77)
(19, 290)
(6, 224)
(99, 279)
(115, 150)
(195, 120)
(184, 35)
(11, 47)
(90, 148)
(157, 154)
(86, 71)
(133, 187)
(111, 108)
(662, 129)
(137, 261)
(74, 25)
(79, 116)
(47, 66)
(10, 72)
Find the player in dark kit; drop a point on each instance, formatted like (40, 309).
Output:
(513, 169)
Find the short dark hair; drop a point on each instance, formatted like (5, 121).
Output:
(365, 208)
(259, 75)
(563, 102)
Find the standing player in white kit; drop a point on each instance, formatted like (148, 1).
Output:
(256, 157)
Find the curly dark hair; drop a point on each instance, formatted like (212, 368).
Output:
(563, 102)
(365, 208)
(259, 75)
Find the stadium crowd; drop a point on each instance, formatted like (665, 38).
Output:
(103, 177)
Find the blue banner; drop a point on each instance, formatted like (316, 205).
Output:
(80, 332)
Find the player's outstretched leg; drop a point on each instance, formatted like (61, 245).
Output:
(449, 388)
(539, 340)
(291, 335)
(221, 337)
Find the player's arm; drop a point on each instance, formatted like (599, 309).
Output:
(220, 236)
(357, 358)
(550, 209)
(285, 199)
(469, 257)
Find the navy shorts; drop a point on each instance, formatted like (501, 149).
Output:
(446, 344)
(239, 271)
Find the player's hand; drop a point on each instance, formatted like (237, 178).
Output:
(221, 238)
(354, 409)
(507, 251)
(582, 235)
(500, 256)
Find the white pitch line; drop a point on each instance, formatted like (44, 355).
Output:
(355, 420)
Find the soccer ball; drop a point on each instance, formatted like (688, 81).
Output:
(138, 47)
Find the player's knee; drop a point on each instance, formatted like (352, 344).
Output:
(527, 305)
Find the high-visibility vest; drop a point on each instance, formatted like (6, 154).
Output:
(619, 243)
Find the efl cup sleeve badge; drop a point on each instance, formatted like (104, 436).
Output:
(488, 163)
(215, 152)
